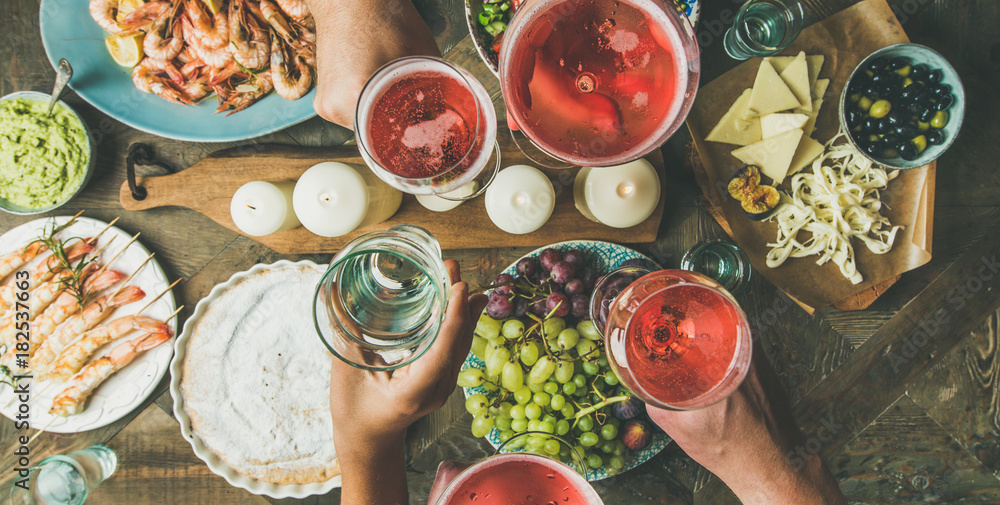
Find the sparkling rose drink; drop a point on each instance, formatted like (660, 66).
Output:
(678, 340)
(519, 478)
(425, 126)
(598, 82)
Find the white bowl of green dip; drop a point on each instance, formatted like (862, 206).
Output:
(44, 160)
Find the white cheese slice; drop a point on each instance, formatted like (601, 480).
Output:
(770, 93)
(733, 130)
(773, 124)
(807, 129)
(807, 151)
(814, 61)
(773, 155)
(796, 76)
(819, 88)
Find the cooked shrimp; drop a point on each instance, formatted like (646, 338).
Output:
(16, 259)
(276, 18)
(45, 293)
(196, 88)
(165, 37)
(251, 44)
(296, 9)
(212, 31)
(43, 272)
(215, 58)
(77, 354)
(285, 83)
(147, 77)
(65, 306)
(239, 100)
(72, 399)
(104, 11)
(92, 314)
(144, 17)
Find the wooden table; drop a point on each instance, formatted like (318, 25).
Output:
(900, 418)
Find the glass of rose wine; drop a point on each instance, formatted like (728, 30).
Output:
(598, 83)
(678, 340)
(426, 126)
(527, 468)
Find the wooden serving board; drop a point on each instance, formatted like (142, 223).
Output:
(208, 186)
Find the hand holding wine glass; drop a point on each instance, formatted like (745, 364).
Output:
(371, 410)
(354, 39)
(744, 440)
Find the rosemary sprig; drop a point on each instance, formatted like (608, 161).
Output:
(6, 377)
(74, 282)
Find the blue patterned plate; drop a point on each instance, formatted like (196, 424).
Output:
(69, 32)
(603, 257)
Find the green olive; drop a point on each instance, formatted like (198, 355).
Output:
(922, 126)
(864, 103)
(907, 82)
(869, 73)
(854, 97)
(920, 142)
(874, 138)
(879, 109)
(905, 71)
(939, 120)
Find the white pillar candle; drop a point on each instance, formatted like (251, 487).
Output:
(621, 196)
(333, 199)
(520, 200)
(438, 204)
(261, 208)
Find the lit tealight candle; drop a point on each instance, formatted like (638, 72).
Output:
(261, 208)
(621, 196)
(520, 200)
(333, 199)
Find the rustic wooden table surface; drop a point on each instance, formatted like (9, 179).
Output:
(923, 428)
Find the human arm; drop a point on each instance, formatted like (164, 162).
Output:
(353, 40)
(744, 440)
(371, 410)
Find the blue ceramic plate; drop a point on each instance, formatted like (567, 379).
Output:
(69, 32)
(603, 257)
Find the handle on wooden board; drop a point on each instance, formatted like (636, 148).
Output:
(160, 192)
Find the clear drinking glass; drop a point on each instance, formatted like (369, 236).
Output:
(530, 467)
(597, 83)
(678, 340)
(763, 27)
(608, 287)
(380, 304)
(721, 260)
(64, 480)
(426, 126)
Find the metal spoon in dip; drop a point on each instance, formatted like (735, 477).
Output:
(63, 75)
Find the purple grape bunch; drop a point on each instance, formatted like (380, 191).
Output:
(553, 284)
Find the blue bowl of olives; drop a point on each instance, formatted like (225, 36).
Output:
(903, 106)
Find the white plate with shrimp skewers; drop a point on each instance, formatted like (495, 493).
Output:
(128, 387)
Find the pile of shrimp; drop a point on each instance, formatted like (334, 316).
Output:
(245, 50)
(67, 331)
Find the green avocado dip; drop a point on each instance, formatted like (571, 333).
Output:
(43, 159)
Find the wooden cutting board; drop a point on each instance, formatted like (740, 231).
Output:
(208, 186)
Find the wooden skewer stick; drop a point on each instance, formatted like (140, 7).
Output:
(125, 282)
(93, 239)
(171, 316)
(117, 254)
(42, 430)
(165, 291)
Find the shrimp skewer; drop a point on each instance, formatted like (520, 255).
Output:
(79, 323)
(76, 355)
(79, 388)
(14, 260)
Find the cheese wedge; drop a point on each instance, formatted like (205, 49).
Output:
(733, 130)
(807, 129)
(807, 151)
(819, 88)
(770, 93)
(796, 76)
(773, 155)
(815, 63)
(773, 124)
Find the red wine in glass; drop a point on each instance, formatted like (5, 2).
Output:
(678, 340)
(598, 82)
(425, 126)
(516, 478)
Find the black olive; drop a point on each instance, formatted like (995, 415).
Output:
(934, 76)
(898, 62)
(926, 115)
(884, 126)
(876, 64)
(945, 102)
(919, 71)
(891, 89)
(873, 149)
(908, 151)
(942, 90)
(870, 125)
(924, 96)
(853, 116)
(856, 85)
(911, 91)
(905, 131)
(889, 142)
(935, 137)
(881, 77)
(896, 117)
(872, 92)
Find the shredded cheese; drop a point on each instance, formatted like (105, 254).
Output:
(837, 201)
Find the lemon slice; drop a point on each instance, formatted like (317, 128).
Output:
(213, 5)
(125, 49)
(125, 7)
